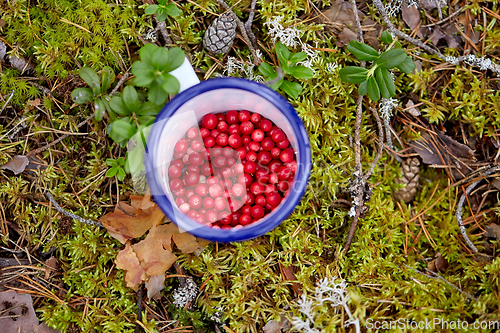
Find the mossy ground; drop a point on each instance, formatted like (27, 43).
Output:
(243, 279)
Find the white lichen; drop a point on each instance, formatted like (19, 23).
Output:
(330, 291)
(186, 294)
(245, 68)
(394, 6)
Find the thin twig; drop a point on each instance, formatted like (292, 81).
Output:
(69, 214)
(380, 144)
(8, 100)
(163, 29)
(241, 26)
(445, 19)
(248, 24)
(380, 7)
(358, 22)
(458, 214)
(119, 84)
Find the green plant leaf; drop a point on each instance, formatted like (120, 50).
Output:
(156, 94)
(99, 108)
(301, 72)
(148, 109)
(407, 66)
(91, 78)
(130, 98)
(146, 52)
(82, 95)
(373, 90)
(391, 58)
(122, 130)
(170, 83)
(160, 59)
(295, 58)
(111, 113)
(150, 10)
(386, 37)
(277, 85)
(111, 172)
(363, 88)
(353, 74)
(172, 10)
(177, 57)
(111, 162)
(293, 89)
(117, 105)
(283, 53)
(121, 174)
(161, 14)
(385, 82)
(362, 51)
(267, 70)
(162, 2)
(120, 161)
(144, 73)
(107, 77)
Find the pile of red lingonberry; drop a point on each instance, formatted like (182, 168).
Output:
(233, 170)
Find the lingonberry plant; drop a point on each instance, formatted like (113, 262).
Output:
(163, 10)
(288, 62)
(377, 80)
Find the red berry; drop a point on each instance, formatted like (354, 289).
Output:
(283, 144)
(212, 180)
(234, 140)
(239, 168)
(265, 125)
(246, 139)
(174, 171)
(245, 219)
(244, 115)
(226, 183)
(221, 139)
(238, 190)
(257, 189)
(251, 156)
(245, 179)
(274, 166)
(246, 127)
(192, 214)
(246, 210)
(284, 173)
(260, 200)
(269, 188)
(283, 185)
(293, 166)
(225, 218)
(211, 216)
(287, 155)
(250, 167)
(177, 162)
(195, 159)
(208, 202)
(262, 175)
(225, 172)
(219, 162)
(254, 146)
(209, 121)
(234, 129)
(215, 151)
(222, 126)
(206, 169)
(192, 179)
(215, 132)
(258, 135)
(192, 133)
(232, 117)
(195, 201)
(204, 132)
(181, 146)
(249, 199)
(255, 118)
(184, 207)
(273, 178)
(175, 184)
(231, 161)
(215, 190)
(242, 152)
(220, 204)
(189, 193)
(275, 153)
(205, 154)
(273, 199)
(227, 152)
(278, 135)
(221, 116)
(235, 218)
(193, 169)
(181, 192)
(257, 212)
(269, 208)
(180, 200)
(267, 144)
(201, 189)
(264, 157)
(197, 145)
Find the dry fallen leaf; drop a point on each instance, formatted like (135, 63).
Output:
(492, 231)
(411, 16)
(17, 164)
(274, 326)
(127, 260)
(155, 285)
(17, 311)
(288, 274)
(438, 265)
(51, 267)
(128, 223)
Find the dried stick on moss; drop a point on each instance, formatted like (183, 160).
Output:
(458, 214)
(89, 118)
(69, 214)
(248, 24)
(7, 101)
(380, 7)
(163, 29)
(380, 143)
(241, 27)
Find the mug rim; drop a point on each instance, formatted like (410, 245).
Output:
(250, 231)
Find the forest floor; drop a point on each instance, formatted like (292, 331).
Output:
(409, 261)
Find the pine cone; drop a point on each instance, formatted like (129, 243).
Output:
(410, 178)
(220, 35)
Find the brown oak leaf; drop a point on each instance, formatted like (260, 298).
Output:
(128, 261)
